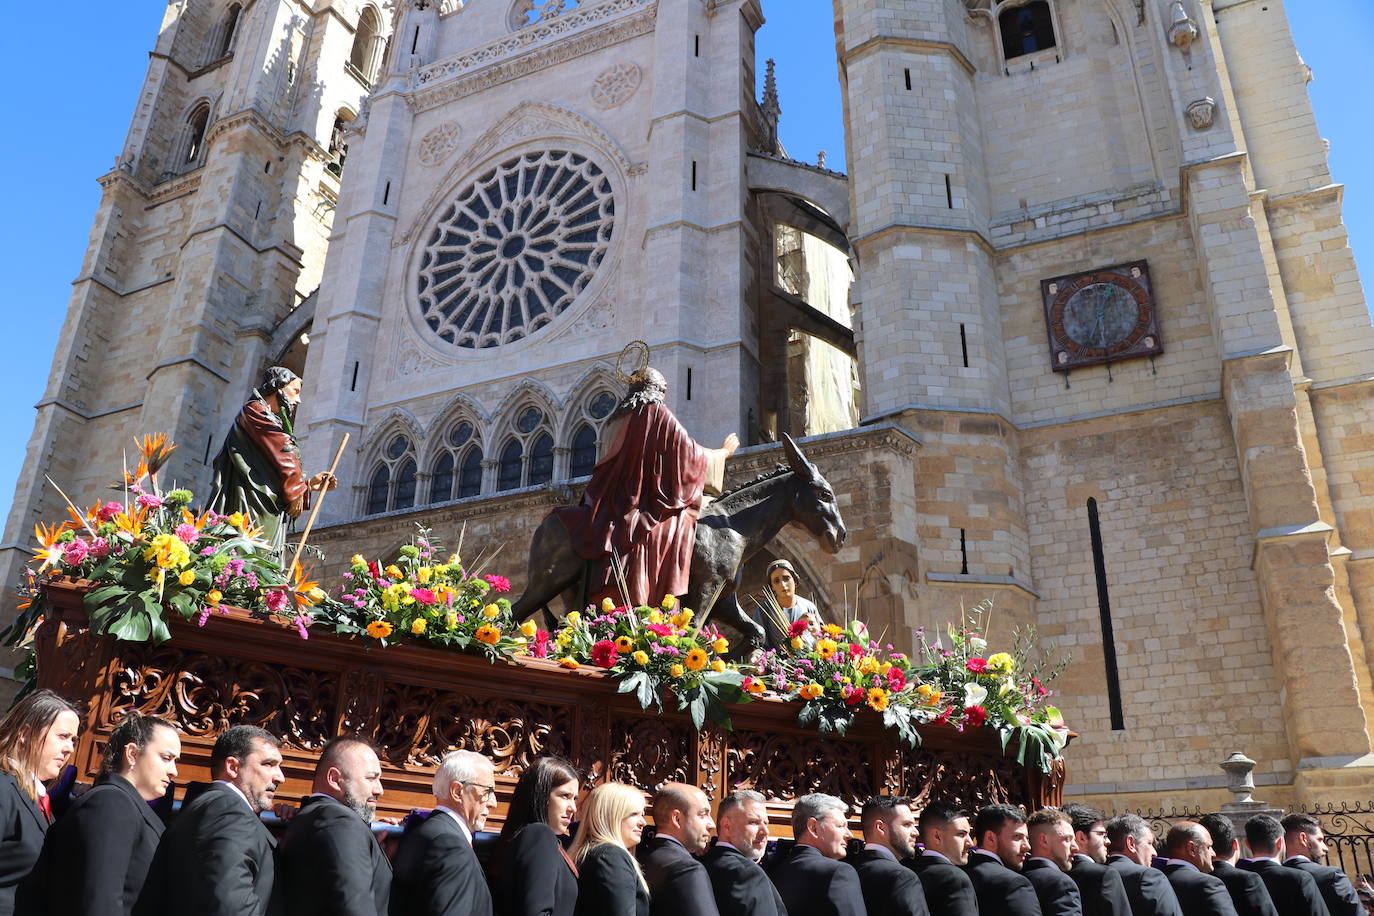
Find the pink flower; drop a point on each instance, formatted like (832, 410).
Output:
(896, 679)
(204, 616)
(300, 623)
(855, 650)
(422, 595)
(498, 583)
(108, 511)
(75, 552)
(660, 629)
(275, 599)
(975, 715)
(604, 654)
(100, 548)
(541, 644)
(149, 501)
(977, 665)
(187, 533)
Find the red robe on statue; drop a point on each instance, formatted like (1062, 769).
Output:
(642, 504)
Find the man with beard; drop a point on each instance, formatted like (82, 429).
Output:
(1306, 846)
(889, 888)
(1102, 889)
(995, 866)
(331, 864)
(946, 840)
(678, 883)
(740, 885)
(1248, 894)
(1051, 847)
(217, 858)
(258, 471)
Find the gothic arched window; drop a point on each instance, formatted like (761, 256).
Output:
(509, 471)
(583, 451)
(585, 444)
(195, 133)
(228, 30)
(527, 457)
(457, 471)
(393, 480)
(1026, 29)
(366, 53)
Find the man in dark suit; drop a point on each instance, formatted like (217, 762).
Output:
(739, 884)
(1102, 890)
(1132, 848)
(995, 866)
(889, 888)
(812, 880)
(1189, 850)
(96, 858)
(217, 858)
(436, 872)
(1248, 893)
(678, 883)
(1051, 856)
(1294, 891)
(946, 840)
(1306, 846)
(330, 862)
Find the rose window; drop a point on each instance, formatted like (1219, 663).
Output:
(515, 249)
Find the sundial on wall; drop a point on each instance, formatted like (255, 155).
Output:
(1101, 316)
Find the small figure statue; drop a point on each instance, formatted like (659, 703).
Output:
(258, 470)
(644, 496)
(782, 579)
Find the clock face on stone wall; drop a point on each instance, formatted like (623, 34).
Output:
(1101, 316)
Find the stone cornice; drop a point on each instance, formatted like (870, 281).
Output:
(757, 459)
(918, 44)
(965, 580)
(528, 50)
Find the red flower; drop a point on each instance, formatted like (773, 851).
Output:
(375, 568)
(896, 679)
(853, 696)
(604, 654)
(855, 650)
(977, 665)
(1040, 690)
(943, 718)
(797, 628)
(498, 583)
(975, 715)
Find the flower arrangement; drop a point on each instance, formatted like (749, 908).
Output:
(425, 597)
(149, 552)
(651, 650)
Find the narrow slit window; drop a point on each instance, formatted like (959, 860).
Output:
(1104, 610)
(963, 344)
(906, 71)
(949, 193)
(963, 553)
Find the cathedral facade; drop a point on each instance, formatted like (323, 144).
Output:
(1080, 331)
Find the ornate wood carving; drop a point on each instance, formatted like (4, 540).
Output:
(785, 766)
(649, 751)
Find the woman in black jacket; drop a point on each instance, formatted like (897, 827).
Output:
(36, 738)
(610, 882)
(535, 876)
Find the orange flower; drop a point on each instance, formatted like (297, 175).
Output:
(877, 699)
(569, 663)
(379, 629)
(695, 660)
(51, 551)
(811, 691)
(154, 451)
(488, 634)
(623, 645)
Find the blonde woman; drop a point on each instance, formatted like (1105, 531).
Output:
(609, 881)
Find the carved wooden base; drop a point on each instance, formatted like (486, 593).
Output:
(416, 703)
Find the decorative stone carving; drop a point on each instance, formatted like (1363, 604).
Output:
(1201, 113)
(614, 85)
(413, 362)
(1182, 30)
(597, 318)
(438, 143)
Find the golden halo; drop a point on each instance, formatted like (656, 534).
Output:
(636, 354)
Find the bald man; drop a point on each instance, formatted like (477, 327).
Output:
(678, 883)
(1189, 848)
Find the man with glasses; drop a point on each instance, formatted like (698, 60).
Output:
(437, 872)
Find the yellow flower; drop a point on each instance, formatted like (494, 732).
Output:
(623, 644)
(423, 575)
(811, 691)
(358, 560)
(696, 659)
(393, 572)
(442, 594)
(683, 617)
(379, 629)
(418, 626)
(488, 634)
(655, 617)
(237, 520)
(796, 642)
(607, 605)
(168, 551)
(928, 694)
(868, 664)
(877, 699)
(826, 647)
(1001, 662)
(669, 602)
(717, 666)
(407, 599)
(720, 645)
(453, 560)
(450, 620)
(213, 597)
(885, 667)
(676, 671)
(528, 629)
(491, 612)
(573, 618)
(187, 577)
(568, 662)
(832, 630)
(641, 657)
(316, 594)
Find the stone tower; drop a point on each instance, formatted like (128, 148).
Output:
(211, 231)
(1190, 524)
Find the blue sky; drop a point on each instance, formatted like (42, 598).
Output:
(68, 115)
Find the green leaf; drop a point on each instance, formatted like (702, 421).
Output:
(807, 714)
(697, 708)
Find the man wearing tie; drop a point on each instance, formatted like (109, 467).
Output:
(1132, 845)
(1294, 891)
(947, 838)
(331, 864)
(1101, 887)
(1306, 846)
(995, 866)
(436, 871)
(217, 858)
(1189, 850)
(739, 884)
(812, 880)
(1248, 893)
(678, 883)
(1051, 840)
(889, 888)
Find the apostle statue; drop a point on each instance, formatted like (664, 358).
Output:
(259, 469)
(644, 497)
